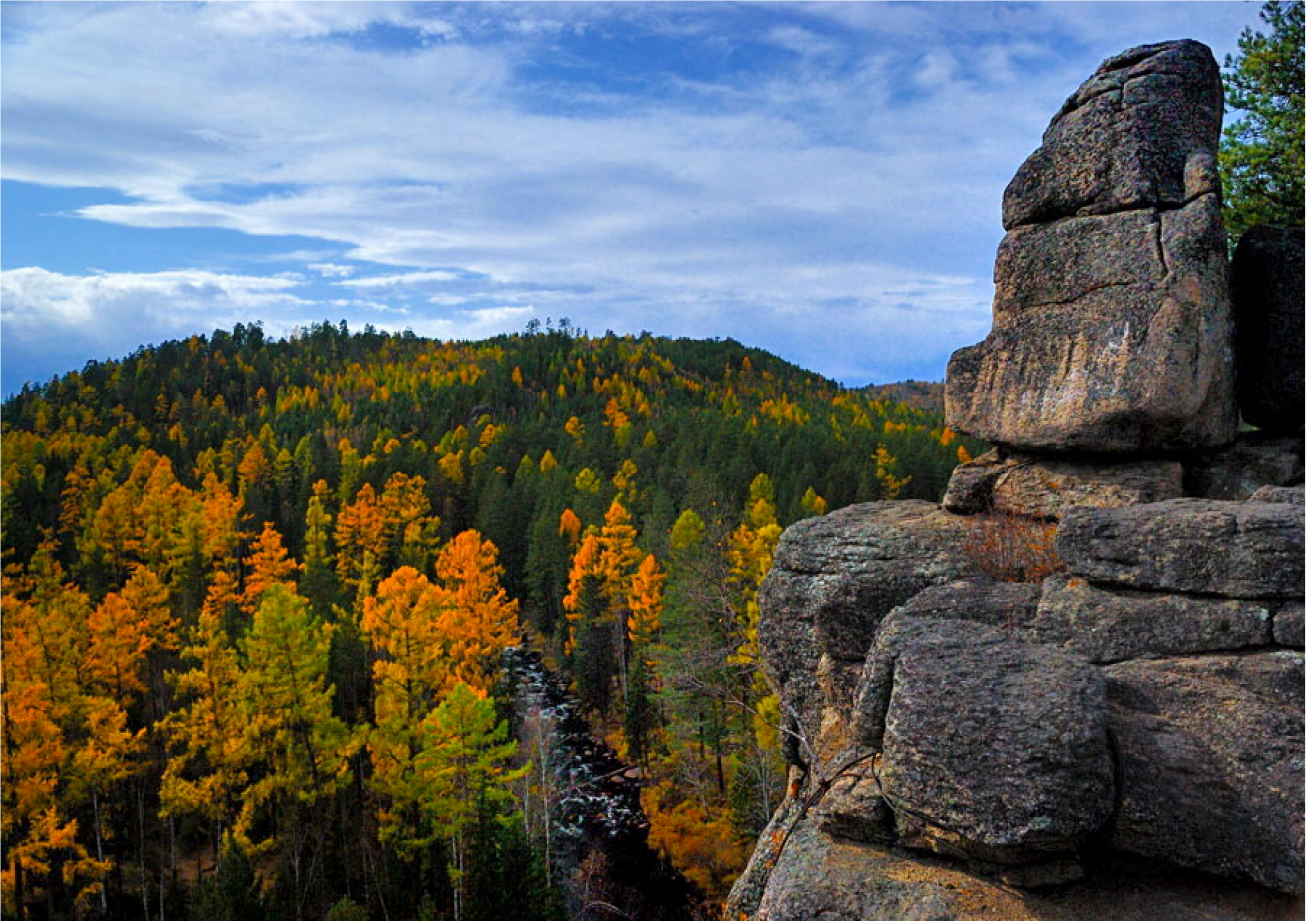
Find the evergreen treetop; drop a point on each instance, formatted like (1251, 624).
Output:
(1261, 156)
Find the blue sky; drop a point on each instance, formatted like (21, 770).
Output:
(822, 180)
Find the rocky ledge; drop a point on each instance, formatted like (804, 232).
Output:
(1002, 750)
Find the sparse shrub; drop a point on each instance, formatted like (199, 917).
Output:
(1011, 548)
(344, 909)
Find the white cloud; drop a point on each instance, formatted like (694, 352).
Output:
(840, 202)
(332, 270)
(890, 20)
(304, 20)
(468, 324)
(108, 310)
(403, 280)
(937, 69)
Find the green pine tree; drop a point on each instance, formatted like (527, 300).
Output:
(1261, 156)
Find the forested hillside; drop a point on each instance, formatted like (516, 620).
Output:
(257, 594)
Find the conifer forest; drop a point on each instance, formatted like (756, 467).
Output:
(363, 625)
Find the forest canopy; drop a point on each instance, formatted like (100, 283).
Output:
(258, 594)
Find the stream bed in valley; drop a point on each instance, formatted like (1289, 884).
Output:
(584, 803)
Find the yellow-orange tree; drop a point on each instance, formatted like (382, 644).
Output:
(256, 745)
(210, 755)
(645, 602)
(756, 774)
(429, 637)
(598, 611)
(302, 748)
(33, 741)
(482, 621)
(72, 672)
(410, 671)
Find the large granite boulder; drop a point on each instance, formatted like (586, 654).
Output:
(833, 578)
(1213, 547)
(1111, 318)
(1268, 280)
(1106, 625)
(974, 611)
(996, 750)
(1125, 139)
(970, 486)
(1100, 624)
(1210, 756)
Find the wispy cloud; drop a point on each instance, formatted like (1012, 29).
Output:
(474, 324)
(332, 270)
(403, 280)
(771, 172)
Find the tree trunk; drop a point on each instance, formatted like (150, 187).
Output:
(99, 849)
(140, 823)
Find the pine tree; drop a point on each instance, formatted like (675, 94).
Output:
(303, 748)
(465, 766)
(1261, 153)
(268, 565)
(234, 891)
(590, 626)
(319, 582)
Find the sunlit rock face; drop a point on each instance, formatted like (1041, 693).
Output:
(1111, 315)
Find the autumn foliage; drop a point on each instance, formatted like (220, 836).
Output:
(256, 594)
(1010, 548)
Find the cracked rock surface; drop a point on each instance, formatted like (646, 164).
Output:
(1201, 546)
(1111, 314)
(832, 581)
(1210, 761)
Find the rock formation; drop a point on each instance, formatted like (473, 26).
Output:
(835, 578)
(1040, 487)
(1127, 732)
(1111, 319)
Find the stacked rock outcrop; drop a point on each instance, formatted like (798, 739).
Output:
(1114, 332)
(961, 747)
